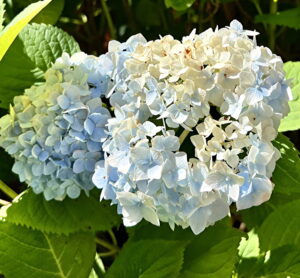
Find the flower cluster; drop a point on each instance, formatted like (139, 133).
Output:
(192, 127)
(55, 131)
(191, 132)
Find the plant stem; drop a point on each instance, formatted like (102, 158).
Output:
(110, 23)
(259, 10)
(272, 27)
(108, 254)
(107, 245)
(113, 238)
(7, 190)
(183, 135)
(257, 6)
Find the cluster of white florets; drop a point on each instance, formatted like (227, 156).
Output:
(192, 127)
(191, 133)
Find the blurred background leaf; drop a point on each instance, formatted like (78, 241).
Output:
(289, 18)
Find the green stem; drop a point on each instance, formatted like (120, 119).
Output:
(259, 10)
(113, 238)
(108, 254)
(106, 244)
(7, 190)
(110, 23)
(272, 27)
(161, 9)
(183, 135)
(257, 6)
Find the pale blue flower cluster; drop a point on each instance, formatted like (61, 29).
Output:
(191, 132)
(169, 156)
(55, 131)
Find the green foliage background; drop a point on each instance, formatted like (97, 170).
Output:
(84, 238)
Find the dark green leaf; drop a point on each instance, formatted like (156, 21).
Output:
(28, 253)
(145, 230)
(84, 213)
(148, 259)
(213, 253)
(283, 262)
(281, 227)
(149, 18)
(15, 78)
(179, 5)
(289, 18)
(51, 13)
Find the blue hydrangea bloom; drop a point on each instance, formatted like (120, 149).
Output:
(55, 131)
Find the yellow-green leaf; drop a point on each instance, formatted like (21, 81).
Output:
(292, 120)
(11, 31)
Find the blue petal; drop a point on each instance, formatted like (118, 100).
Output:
(43, 156)
(93, 146)
(63, 102)
(73, 191)
(89, 126)
(79, 166)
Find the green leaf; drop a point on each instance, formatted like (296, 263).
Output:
(15, 78)
(62, 217)
(255, 216)
(48, 15)
(148, 259)
(283, 262)
(28, 253)
(281, 227)
(292, 120)
(43, 44)
(152, 17)
(179, 5)
(51, 13)
(11, 31)
(286, 176)
(249, 247)
(145, 230)
(213, 253)
(35, 49)
(2, 11)
(289, 18)
(251, 261)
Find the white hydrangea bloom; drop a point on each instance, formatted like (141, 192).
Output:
(219, 88)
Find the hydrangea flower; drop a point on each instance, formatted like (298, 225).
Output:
(55, 131)
(192, 127)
